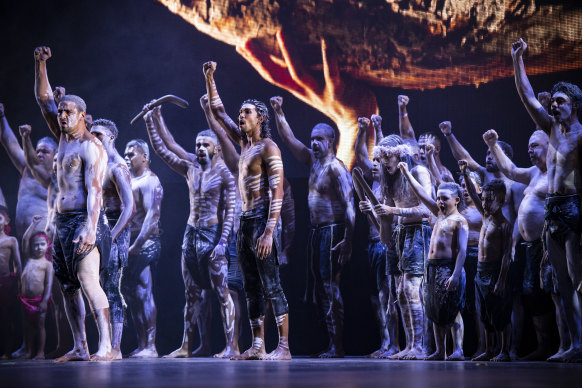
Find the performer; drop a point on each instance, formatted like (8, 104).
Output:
(31, 195)
(212, 201)
(261, 187)
(119, 208)
(82, 239)
(412, 237)
(563, 225)
(444, 286)
(493, 294)
(35, 293)
(332, 219)
(145, 247)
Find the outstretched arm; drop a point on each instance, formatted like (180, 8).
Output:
(362, 157)
(43, 91)
(406, 130)
(420, 192)
(535, 109)
(471, 187)
(216, 104)
(298, 149)
(152, 195)
(122, 181)
(506, 166)
(172, 160)
(459, 152)
(38, 169)
(10, 143)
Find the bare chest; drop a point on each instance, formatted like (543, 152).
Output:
(204, 184)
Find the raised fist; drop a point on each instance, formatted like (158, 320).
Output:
(58, 94)
(490, 137)
(518, 48)
(544, 98)
(403, 100)
(25, 130)
(463, 166)
(429, 149)
(209, 68)
(445, 127)
(363, 122)
(403, 166)
(42, 53)
(376, 120)
(276, 103)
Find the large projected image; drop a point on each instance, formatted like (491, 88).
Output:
(328, 53)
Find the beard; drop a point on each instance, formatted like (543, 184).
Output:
(491, 168)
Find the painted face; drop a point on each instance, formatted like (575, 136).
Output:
(391, 164)
(69, 116)
(447, 201)
(44, 152)
(4, 220)
(205, 149)
(422, 143)
(102, 133)
(320, 142)
(38, 247)
(491, 202)
(376, 164)
(248, 119)
(466, 195)
(561, 106)
(537, 149)
(134, 158)
(490, 163)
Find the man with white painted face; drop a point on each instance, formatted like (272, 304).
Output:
(119, 207)
(82, 240)
(332, 216)
(260, 181)
(204, 257)
(145, 247)
(563, 222)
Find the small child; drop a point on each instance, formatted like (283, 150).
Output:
(492, 293)
(444, 282)
(35, 291)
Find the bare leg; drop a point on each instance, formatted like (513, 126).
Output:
(148, 309)
(257, 349)
(412, 289)
(392, 318)
(116, 333)
(486, 356)
(219, 281)
(458, 334)
(542, 326)
(439, 335)
(517, 319)
(64, 339)
(380, 304)
(334, 314)
(282, 351)
(75, 310)
(561, 324)
(503, 355)
(203, 326)
(41, 331)
(406, 318)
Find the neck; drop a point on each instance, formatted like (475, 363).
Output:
(254, 136)
(139, 171)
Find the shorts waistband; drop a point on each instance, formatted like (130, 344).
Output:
(258, 212)
(327, 225)
(440, 262)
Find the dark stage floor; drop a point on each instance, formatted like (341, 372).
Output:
(301, 372)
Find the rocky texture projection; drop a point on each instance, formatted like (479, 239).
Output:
(321, 51)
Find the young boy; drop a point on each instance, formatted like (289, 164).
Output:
(10, 269)
(36, 283)
(493, 297)
(444, 282)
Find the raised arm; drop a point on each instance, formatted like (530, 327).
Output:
(432, 164)
(10, 143)
(36, 167)
(459, 152)
(362, 156)
(406, 130)
(535, 109)
(216, 104)
(506, 166)
(166, 136)
(344, 192)
(152, 194)
(377, 123)
(298, 149)
(471, 187)
(122, 181)
(229, 152)
(418, 190)
(43, 91)
(172, 160)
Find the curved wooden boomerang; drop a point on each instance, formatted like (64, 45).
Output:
(167, 98)
(364, 192)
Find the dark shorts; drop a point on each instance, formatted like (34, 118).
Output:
(392, 265)
(111, 278)
(149, 255)
(197, 247)
(536, 299)
(494, 310)
(377, 258)
(412, 244)
(440, 305)
(235, 277)
(470, 271)
(31, 307)
(324, 261)
(65, 258)
(562, 215)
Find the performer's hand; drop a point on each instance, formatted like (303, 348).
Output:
(463, 166)
(545, 98)
(452, 283)
(42, 53)
(283, 260)
(42, 307)
(58, 94)
(403, 166)
(363, 123)
(499, 289)
(429, 149)
(376, 121)
(219, 251)
(446, 128)
(366, 207)
(345, 251)
(276, 103)
(133, 250)
(36, 219)
(383, 210)
(490, 137)
(264, 245)
(518, 48)
(86, 241)
(25, 130)
(402, 102)
(209, 68)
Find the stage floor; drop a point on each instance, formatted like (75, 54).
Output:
(300, 372)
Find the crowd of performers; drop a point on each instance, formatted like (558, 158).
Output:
(438, 251)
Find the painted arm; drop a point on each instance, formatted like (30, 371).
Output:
(229, 153)
(506, 259)
(229, 194)
(459, 152)
(171, 159)
(298, 149)
(377, 123)
(506, 166)
(43, 91)
(287, 221)
(406, 130)
(122, 181)
(471, 187)
(48, 286)
(15, 254)
(418, 190)
(216, 104)
(432, 165)
(536, 111)
(168, 138)
(34, 228)
(462, 239)
(362, 156)
(345, 194)
(10, 143)
(152, 195)
(38, 169)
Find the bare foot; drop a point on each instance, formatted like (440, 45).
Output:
(539, 354)
(513, 355)
(201, 352)
(146, 353)
(332, 353)
(228, 353)
(502, 357)
(135, 351)
(116, 355)
(414, 354)
(178, 353)
(570, 355)
(436, 356)
(389, 352)
(39, 356)
(252, 354)
(74, 355)
(376, 354)
(483, 357)
(281, 353)
(556, 357)
(456, 356)
(56, 353)
(399, 355)
(107, 356)
(20, 353)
